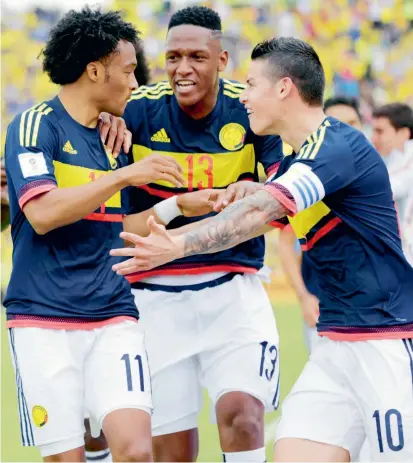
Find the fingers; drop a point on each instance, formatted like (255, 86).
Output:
(127, 142)
(154, 226)
(112, 135)
(167, 161)
(104, 126)
(225, 198)
(130, 266)
(171, 174)
(132, 238)
(120, 136)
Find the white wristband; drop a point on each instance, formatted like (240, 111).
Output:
(167, 210)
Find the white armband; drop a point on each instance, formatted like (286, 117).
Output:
(167, 210)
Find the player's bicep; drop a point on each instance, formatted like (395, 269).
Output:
(29, 157)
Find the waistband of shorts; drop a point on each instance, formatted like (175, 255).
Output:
(179, 289)
(56, 323)
(354, 333)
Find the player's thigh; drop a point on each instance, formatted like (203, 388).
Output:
(169, 321)
(321, 409)
(116, 372)
(383, 383)
(177, 398)
(242, 352)
(48, 367)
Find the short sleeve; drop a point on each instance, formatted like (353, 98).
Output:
(319, 169)
(30, 147)
(269, 151)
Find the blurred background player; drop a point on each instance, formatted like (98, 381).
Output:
(346, 221)
(345, 110)
(393, 138)
(198, 119)
(66, 211)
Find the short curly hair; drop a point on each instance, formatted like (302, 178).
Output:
(196, 16)
(81, 37)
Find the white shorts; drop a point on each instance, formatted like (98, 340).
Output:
(310, 337)
(60, 373)
(223, 338)
(352, 390)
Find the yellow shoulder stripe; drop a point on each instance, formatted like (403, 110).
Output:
(315, 140)
(150, 92)
(234, 85)
(27, 127)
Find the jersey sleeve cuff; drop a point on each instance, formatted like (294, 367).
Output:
(282, 195)
(33, 189)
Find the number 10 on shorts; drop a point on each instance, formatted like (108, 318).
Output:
(129, 372)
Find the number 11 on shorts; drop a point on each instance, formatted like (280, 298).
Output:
(129, 381)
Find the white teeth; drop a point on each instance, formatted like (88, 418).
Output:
(250, 111)
(185, 83)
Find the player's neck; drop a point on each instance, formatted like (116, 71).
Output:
(296, 129)
(203, 107)
(78, 106)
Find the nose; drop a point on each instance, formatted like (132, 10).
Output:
(133, 83)
(184, 67)
(243, 97)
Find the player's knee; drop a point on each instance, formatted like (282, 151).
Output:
(246, 425)
(133, 451)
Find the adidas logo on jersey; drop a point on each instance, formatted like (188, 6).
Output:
(161, 136)
(68, 148)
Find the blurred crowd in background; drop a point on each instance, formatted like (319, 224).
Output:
(364, 45)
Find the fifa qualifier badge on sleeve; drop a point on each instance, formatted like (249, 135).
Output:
(232, 136)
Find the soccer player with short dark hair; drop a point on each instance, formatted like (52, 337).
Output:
(335, 191)
(224, 334)
(74, 336)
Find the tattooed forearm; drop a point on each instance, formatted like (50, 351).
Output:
(235, 224)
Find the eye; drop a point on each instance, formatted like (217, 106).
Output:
(171, 58)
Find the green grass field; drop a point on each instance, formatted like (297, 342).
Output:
(292, 353)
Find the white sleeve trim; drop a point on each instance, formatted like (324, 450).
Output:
(304, 185)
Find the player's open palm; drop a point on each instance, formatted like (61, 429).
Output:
(154, 168)
(311, 311)
(156, 249)
(235, 192)
(198, 203)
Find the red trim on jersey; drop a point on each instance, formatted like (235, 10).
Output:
(159, 193)
(272, 169)
(277, 224)
(55, 324)
(320, 233)
(99, 217)
(279, 196)
(35, 191)
(367, 336)
(190, 271)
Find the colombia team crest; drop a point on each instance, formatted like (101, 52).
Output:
(39, 415)
(232, 136)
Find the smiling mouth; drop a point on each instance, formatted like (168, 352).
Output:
(185, 84)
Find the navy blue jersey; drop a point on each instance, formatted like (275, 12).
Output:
(342, 210)
(214, 152)
(65, 274)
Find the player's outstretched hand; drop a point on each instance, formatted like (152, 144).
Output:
(310, 308)
(198, 203)
(153, 168)
(236, 191)
(114, 134)
(156, 249)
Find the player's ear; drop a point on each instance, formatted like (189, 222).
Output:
(404, 132)
(93, 71)
(285, 87)
(223, 61)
